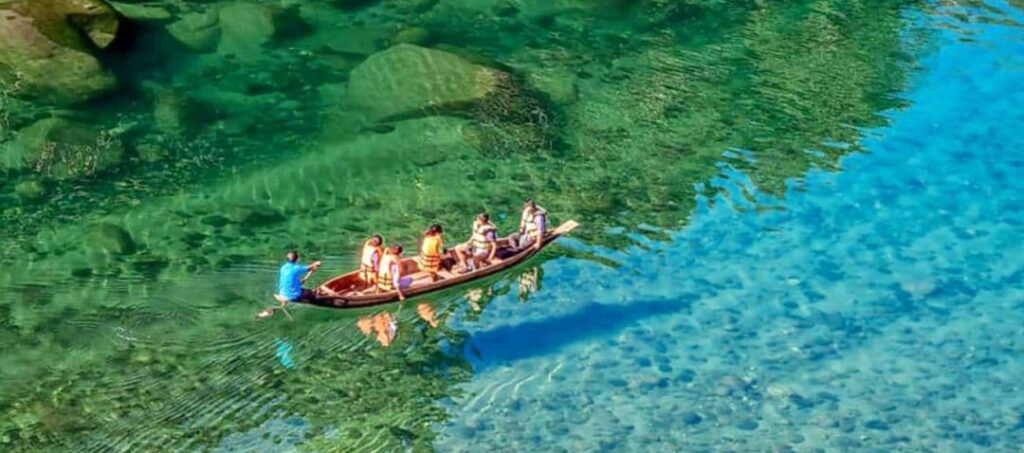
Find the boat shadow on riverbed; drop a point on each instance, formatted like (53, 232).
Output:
(535, 338)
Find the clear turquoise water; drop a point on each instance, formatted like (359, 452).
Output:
(801, 231)
(873, 309)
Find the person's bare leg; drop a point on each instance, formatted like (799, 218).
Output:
(460, 253)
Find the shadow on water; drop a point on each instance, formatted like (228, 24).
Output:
(534, 338)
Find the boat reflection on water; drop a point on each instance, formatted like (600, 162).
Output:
(529, 282)
(426, 312)
(383, 326)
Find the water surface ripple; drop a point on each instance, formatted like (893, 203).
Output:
(801, 224)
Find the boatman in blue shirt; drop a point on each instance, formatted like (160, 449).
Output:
(290, 279)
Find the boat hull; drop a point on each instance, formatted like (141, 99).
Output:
(348, 291)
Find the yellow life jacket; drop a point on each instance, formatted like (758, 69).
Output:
(480, 231)
(529, 221)
(430, 252)
(384, 274)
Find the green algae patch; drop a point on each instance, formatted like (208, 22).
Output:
(128, 299)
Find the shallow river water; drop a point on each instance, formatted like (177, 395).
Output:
(801, 231)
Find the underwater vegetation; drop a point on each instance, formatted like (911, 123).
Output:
(144, 194)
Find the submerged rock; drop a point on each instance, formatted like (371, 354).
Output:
(150, 151)
(412, 35)
(731, 385)
(142, 13)
(30, 189)
(167, 109)
(690, 418)
(407, 81)
(876, 424)
(63, 149)
(558, 86)
(246, 27)
(351, 4)
(46, 48)
(110, 238)
(254, 216)
(746, 424)
(197, 31)
(415, 6)
(357, 42)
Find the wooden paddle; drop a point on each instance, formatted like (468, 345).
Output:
(268, 312)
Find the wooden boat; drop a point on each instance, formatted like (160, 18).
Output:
(349, 290)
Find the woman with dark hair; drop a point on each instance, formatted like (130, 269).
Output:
(432, 251)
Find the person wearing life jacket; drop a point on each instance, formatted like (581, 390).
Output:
(389, 274)
(532, 226)
(369, 262)
(482, 244)
(432, 251)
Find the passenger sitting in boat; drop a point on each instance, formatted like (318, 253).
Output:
(373, 251)
(482, 245)
(290, 278)
(532, 226)
(389, 275)
(432, 251)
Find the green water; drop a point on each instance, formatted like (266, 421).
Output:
(128, 290)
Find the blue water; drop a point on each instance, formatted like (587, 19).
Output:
(877, 308)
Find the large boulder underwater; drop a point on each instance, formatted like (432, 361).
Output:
(407, 81)
(48, 49)
(240, 28)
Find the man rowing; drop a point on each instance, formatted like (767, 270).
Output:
(482, 244)
(290, 278)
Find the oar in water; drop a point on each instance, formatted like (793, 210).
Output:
(393, 324)
(269, 311)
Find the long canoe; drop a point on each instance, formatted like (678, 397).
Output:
(349, 291)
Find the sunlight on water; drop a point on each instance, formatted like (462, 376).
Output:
(877, 310)
(798, 224)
